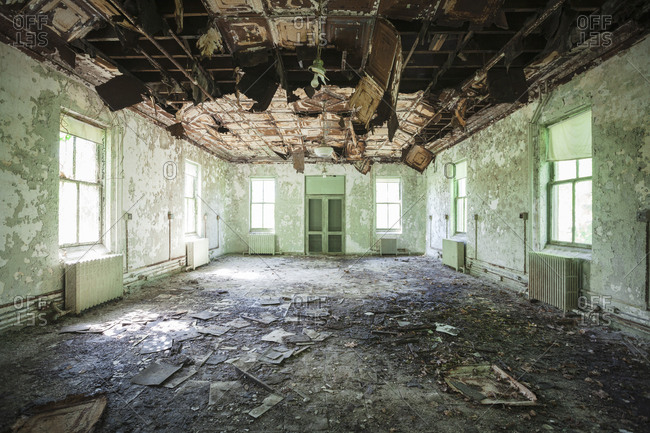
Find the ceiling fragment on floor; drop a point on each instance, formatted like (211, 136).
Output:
(272, 80)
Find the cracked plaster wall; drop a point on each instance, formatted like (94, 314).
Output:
(502, 183)
(31, 98)
(359, 205)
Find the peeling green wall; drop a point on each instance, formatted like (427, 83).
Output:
(506, 176)
(359, 205)
(31, 98)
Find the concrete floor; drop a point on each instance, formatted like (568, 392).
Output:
(382, 369)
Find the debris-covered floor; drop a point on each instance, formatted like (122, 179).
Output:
(306, 344)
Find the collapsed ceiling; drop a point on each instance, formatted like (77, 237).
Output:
(274, 80)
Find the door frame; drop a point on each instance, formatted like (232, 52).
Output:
(325, 223)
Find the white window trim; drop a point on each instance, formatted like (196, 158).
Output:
(389, 231)
(101, 177)
(197, 202)
(551, 243)
(250, 205)
(454, 199)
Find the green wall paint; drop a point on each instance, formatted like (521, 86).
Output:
(359, 205)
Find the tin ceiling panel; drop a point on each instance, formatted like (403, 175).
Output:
(233, 7)
(351, 36)
(290, 32)
(406, 9)
(385, 43)
(205, 92)
(245, 33)
(292, 7)
(351, 6)
(475, 11)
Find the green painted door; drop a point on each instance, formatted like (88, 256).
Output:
(325, 227)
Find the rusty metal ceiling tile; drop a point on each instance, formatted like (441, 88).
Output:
(351, 35)
(418, 158)
(233, 7)
(293, 140)
(408, 127)
(405, 9)
(479, 12)
(291, 32)
(302, 7)
(385, 43)
(351, 6)
(245, 33)
(283, 117)
(69, 19)
(366, 99)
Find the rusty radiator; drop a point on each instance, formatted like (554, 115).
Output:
(261, 243)
(197, 252)
(93, 282)
(554, 280)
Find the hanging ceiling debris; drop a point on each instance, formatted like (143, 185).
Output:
(374, 80)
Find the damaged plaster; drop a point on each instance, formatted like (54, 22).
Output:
(499, 175)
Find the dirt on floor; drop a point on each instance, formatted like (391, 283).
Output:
(343, 344)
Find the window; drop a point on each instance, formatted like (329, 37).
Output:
(192, 183)
(460, 197)
(263, 204)
(80, 186)
(569, 189)
(570, 201)
(388, 198)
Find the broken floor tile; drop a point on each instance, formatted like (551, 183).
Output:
(155, 374)
(276, 355)
(156, 343)
(215, 330)
(296, 339)
(270, 302)
(447, 329)
(216, 358)
(180, 377)
(277, 336)
(315, 312)
(238, 323)
(267, 404)
(204, 315)
(219, 389)
(264, 318)
(82, 327)
(315, 335)
(190, 334)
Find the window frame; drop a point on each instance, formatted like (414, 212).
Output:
(99, 149)
(456, 198)
(251, 203)
(549, 205)
(197, 188)
(389, 179)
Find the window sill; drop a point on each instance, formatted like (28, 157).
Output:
(261, 232)
(76, 253)
(384, 233)
(567, 251)
(458, 237)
